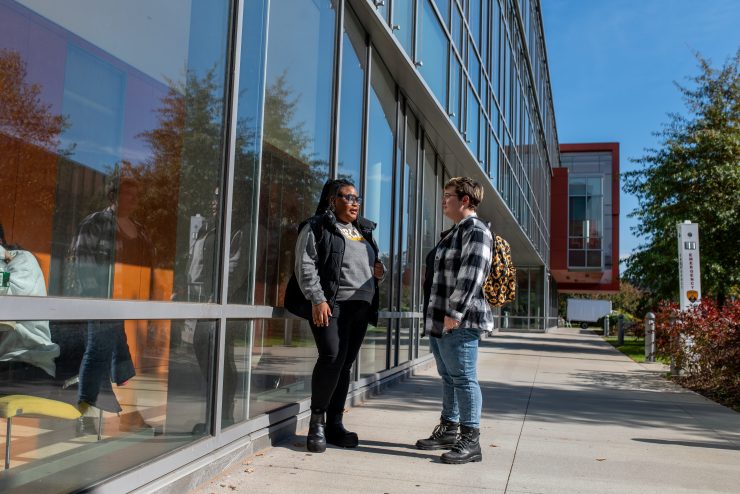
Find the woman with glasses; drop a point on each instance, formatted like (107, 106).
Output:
(335, 287)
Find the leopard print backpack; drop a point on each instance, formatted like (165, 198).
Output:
(500, 285)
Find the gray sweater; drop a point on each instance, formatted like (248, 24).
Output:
(356, 280)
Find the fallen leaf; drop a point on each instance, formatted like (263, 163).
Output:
(249, 470)
(260, 454)
(232, 487)
(248, 462)
(493, 446)
(600, 459)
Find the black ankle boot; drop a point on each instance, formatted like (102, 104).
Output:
(466, 449)
(337, 435)
(444, 436)
(316, 440)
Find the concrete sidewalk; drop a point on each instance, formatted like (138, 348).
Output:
(563, 412)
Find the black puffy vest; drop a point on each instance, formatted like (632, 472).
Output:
(330, 249)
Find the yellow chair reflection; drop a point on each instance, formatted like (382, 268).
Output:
(31, 406)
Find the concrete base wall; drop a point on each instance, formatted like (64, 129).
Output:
(190, 476)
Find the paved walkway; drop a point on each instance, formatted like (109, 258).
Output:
(563, 412)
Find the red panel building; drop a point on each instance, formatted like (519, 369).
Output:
(584, 225)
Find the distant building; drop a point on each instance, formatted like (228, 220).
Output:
(584, 229)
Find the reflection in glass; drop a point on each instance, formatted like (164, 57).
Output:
(126, 144)
(444, 10)
(297, 126)
(455, 111)
(403, 24)
(379, 185)
(405, 333)
(246, 160)
(433, 52)
(162, 406)
(472, 130)
(282, 361)
(374, 349)
(408, 214)
(352, 94)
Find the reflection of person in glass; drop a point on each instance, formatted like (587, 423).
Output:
(104, 238)
(456, 313)
(335, 287)
(26, 351)
(200, 288)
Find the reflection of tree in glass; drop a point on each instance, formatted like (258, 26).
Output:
(22, 113)
(291, 183)
(179, 178)
(29, 141)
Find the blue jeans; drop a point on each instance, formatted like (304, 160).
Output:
(107, 357)
(456, 354)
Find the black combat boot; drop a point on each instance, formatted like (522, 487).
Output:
(466, 449)
(444, 436)
(316, 440)
(337, 435)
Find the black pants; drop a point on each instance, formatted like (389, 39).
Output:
(338, 344)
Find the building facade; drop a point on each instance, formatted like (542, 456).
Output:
(156, 161)
(584, 239)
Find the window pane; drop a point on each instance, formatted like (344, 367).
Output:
(295, 149)
(444, 10)
(379, 185)
(408, 216)
(281, 364)
(126, 147)
(403, 17)
(433, 52)
(471, 131)
(454, 108)
(248, 141)
(144, 387)
(577, 258)
(353, 89)
(374, 349)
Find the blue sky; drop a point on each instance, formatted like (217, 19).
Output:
(613, 64)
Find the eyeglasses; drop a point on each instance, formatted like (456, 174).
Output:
(351, 198)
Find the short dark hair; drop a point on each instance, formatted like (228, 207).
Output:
(331, 189)
(466, 186)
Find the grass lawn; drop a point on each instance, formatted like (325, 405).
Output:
(633, 347)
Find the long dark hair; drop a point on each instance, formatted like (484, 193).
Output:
(331, 189)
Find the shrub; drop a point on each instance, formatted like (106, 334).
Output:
(705, 343)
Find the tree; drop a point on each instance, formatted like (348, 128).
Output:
(693, 175)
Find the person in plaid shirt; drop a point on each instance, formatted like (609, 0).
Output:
(456, 314)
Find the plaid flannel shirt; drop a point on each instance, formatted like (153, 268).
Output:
(461, 265)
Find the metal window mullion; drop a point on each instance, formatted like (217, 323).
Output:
(233, 94)
(365, 117)
(336, 92)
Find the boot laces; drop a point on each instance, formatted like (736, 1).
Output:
(438, 432)
(462, 444)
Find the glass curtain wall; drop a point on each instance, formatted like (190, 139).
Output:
(112, 153)
(484, 61)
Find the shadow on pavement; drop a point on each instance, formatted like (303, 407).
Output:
(692, 444)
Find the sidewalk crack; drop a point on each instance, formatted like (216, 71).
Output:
(521, 429)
